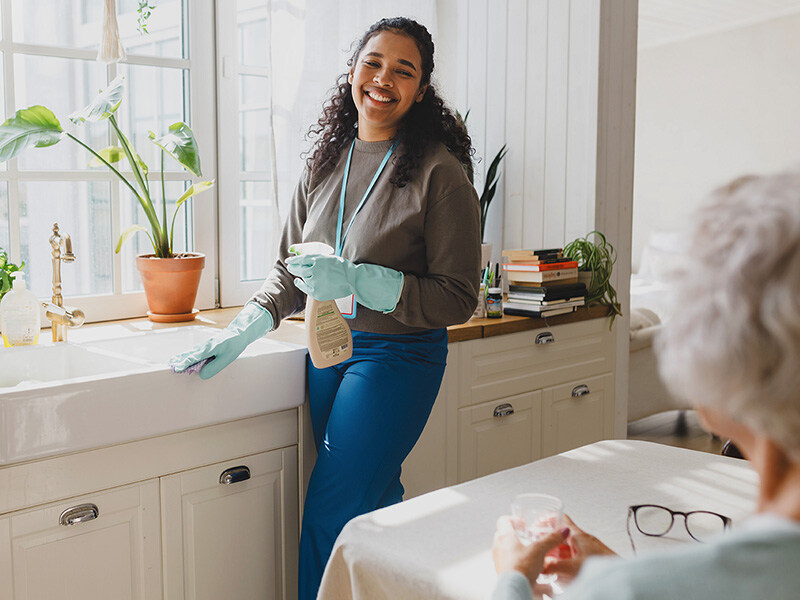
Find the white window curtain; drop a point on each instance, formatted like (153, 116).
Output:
(311, 41)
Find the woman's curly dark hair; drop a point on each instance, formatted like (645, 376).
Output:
(428, 120)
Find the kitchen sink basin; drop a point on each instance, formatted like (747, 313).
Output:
(75, 396)
(32, 366)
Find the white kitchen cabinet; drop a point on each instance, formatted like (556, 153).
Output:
(230, 529)
(94, 547)
(498, 435)
(153, 492)
(577, 413)
(538, 373)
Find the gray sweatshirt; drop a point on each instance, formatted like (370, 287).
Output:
(429, 230)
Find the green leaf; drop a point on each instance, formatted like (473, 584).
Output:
(181, 145)
(126, 234)
(200, 186)
(104, 104)
(35, 126)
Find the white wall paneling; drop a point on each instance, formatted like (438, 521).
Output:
(555, 80)
(534, 161)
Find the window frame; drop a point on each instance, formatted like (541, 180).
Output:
(234, 290)
(198, 24)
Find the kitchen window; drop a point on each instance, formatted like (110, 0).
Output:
(48, 51)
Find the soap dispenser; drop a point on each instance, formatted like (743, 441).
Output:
(20, 320)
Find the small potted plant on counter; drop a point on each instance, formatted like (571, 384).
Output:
(595, 257)
(8, 271)
(170, 279)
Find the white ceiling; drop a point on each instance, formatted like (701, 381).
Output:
(664, 21)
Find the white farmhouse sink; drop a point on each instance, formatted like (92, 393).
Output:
(76, 396)
(33, 366)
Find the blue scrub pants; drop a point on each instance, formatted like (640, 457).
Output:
(367, 414)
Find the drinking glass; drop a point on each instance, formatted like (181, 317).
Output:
(535, 516)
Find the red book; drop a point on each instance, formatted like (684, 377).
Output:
(536, 267)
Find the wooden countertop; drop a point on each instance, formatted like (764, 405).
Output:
(481, 328)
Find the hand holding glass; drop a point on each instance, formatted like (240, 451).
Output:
(535, 516)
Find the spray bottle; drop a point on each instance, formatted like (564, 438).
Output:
(327, 334)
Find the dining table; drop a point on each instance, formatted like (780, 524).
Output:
(437, 546)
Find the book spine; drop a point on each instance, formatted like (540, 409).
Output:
(533, 268)
(542, 276)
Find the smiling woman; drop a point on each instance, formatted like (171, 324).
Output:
(385, 185)
(385, 82)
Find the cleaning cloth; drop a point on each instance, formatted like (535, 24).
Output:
(194, 368)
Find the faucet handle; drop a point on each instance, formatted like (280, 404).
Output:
(64, 315)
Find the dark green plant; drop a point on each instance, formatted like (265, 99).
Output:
(38, 127)
(492, 176)
(8, 272)
(595, 254)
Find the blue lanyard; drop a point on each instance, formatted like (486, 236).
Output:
(339, 239)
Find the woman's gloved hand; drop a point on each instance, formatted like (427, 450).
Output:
(251, 323)
(330, 277)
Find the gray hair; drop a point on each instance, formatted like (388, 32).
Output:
(733, 342)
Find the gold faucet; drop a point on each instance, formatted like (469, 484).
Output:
(61, 317)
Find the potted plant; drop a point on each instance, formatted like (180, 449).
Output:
(170, 279)
(595, 257)
(8, 272)
(489, 189)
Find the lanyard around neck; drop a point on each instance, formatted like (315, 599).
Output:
(339, 222)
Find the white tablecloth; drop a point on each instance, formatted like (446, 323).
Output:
(438, 546)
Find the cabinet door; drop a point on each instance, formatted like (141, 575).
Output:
(231, 529)
(95, 547)
(498, 435)
(577, 413)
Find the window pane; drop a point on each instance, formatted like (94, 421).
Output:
(83, 210)
(251, 17)
(57, 22)
(154, 100)
(5, 239)
(256, 217)
(164, 35)
(140, 244)
(64, 24)
(254, 140)
(64, 86)
(254, 91)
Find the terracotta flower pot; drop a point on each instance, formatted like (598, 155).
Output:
(170, 285)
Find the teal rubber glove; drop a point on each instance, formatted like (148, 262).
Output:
(326, 277)
(251, 323)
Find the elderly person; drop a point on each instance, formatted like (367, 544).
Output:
(733, 350)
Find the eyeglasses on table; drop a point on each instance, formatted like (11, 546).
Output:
(654, 520)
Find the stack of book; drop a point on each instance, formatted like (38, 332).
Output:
(542, 283)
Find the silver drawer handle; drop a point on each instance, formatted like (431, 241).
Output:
(79, 514)
(234, 475)
(580, 390)
(545, 338)
(503, 410)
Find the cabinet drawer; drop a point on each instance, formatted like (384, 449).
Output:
(94, 547)
(498, 435)
(513, 364)
(577, 413)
